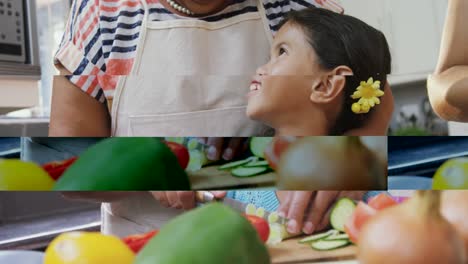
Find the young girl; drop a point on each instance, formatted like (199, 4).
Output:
(310, 85)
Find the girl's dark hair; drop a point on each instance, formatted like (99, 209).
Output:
(339, 39)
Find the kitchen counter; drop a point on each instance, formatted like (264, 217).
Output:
(425, 158)
(37, 233)
(10, 147)
(26, 127)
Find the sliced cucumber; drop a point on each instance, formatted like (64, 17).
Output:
(238, 163)
(322, 245)
(337, 237)
(341, 212)
(258, 145)
(259, 163)
(318, 236)
(248, 172)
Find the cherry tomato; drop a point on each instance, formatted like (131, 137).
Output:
(381, 201)
(360, 216)
(261, 225)
(181, 153)
(276, 148)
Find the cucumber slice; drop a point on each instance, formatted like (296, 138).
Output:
(318, 236)
(323, 245)
(258, 145)
(259, 163)
(248, 172)
(341, 212)
(337, 237)
(238, 163)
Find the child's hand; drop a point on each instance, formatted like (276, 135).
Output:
(225, 148)
(180, 199)
(310, 211)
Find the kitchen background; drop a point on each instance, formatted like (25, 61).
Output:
(413, 29)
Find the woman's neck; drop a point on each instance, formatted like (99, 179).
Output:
(198, 7)
(301, 124)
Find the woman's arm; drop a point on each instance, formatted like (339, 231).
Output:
(448, 86)
(454, 46)
(75, 113)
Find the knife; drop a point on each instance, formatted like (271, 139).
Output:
(207, 197)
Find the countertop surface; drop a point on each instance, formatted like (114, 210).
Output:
(36, 233)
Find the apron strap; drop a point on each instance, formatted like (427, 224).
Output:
(266, 24)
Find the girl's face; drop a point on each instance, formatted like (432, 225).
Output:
(283, 86)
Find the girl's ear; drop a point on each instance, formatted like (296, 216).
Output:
(331, 85)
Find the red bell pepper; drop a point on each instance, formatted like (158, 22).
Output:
(137, 242)
(56, 168)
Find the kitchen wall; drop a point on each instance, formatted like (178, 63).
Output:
(17, 93)
(413, 30)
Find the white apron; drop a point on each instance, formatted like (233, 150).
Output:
(199, 89)
(191, 78)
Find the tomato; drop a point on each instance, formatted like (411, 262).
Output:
(261, 225)
(181, 153)
(137, 242)
(87, 247)
(360, 216)
(276, 148)
(57, 168)
(381, 201)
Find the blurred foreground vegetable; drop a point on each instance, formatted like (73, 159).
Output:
(17, 175)
(411, 233)
(87, 248)
(326, 163)
(212, 233)
(125, 164)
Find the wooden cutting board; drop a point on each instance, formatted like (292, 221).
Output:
(290, 251)
(211, 178)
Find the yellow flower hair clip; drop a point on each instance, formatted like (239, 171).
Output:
(368, 94)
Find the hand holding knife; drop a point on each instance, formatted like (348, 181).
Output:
(207, 197)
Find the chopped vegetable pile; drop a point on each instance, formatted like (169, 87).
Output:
(254, 165)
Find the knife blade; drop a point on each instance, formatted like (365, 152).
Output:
(207, 197)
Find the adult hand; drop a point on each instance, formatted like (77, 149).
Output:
(309, 211)
(225, 148)
(181, 199)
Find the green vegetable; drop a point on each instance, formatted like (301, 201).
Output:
(260, 163)
(318, 236)
(213, 233)
(258, 145)
(237, 163)
(125, 164)
(248, 172)
(322, 245)
(341, 212)
(337, 237)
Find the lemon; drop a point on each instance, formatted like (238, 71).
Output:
(17, 175)
(453, 174)
(89, 248)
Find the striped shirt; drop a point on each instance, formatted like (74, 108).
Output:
(101, 36)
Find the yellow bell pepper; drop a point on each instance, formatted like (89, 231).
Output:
(17, 175)
(88, 248)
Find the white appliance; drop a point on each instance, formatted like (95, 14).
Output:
(18, 38)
